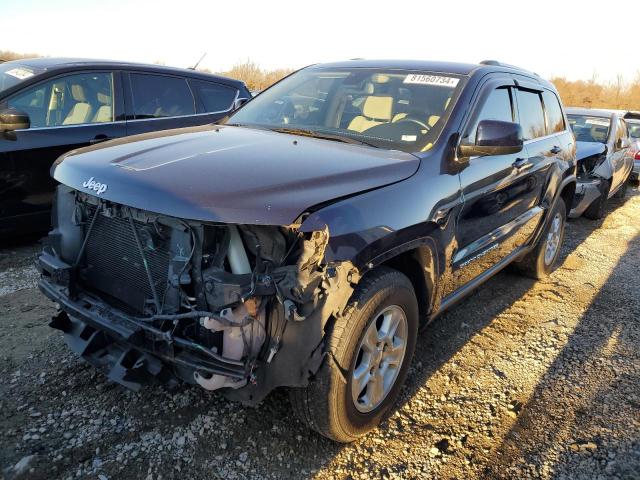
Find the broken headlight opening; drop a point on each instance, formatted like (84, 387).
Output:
(150, 298)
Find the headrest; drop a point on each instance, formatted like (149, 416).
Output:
(378, 108)
(103, 98)
(380, 78)
(77, 92)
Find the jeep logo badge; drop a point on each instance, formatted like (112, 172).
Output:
(91, 184)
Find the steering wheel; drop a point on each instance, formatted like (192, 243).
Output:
(413, 120)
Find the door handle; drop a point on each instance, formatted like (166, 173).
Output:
(521, 163)
(98, 139)
(555, 150)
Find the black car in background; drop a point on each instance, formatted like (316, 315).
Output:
(49, 106)
(302, 242)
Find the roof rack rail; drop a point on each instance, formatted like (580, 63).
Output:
(496, 63)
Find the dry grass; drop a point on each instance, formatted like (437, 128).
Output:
(619, 94)
(255, 77)
(8, 55)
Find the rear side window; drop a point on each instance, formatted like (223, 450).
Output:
(531, 114)
(157, 96)
(555, 120)
(496, 107)
(214, 96)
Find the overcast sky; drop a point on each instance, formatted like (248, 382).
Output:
(551, 37)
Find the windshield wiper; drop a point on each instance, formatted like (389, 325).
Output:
(322, 135)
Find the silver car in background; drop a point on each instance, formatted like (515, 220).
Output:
(604, 160)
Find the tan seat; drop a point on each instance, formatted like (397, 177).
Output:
(375, 111)
(105, 110)
(81, 110)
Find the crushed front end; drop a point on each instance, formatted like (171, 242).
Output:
(593, 167)
(151, 298)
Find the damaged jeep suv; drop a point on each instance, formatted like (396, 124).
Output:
(302, 242)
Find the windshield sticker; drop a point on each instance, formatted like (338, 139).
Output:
(436, 80)
(409, 138)
(20, 73)
(600, 123)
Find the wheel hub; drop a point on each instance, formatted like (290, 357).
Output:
(379, 358)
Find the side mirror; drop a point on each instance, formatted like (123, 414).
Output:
(13, 119)
(495, 137)
(238, 102)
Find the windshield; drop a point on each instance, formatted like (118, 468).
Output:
(392, 109)
(634, 130)
(587, 128)
(12, 73)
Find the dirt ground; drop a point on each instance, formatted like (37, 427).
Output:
(520, 380)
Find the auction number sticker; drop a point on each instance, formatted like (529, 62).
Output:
(437, 80)
(20, 73)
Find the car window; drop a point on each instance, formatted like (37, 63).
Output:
(588, 128)
(555, 119)
(214, 96)
(634, 130)
(68, 100)
(530, 113)
(157, 96)
(386, 108)
(498, 106)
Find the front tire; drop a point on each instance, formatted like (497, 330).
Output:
(369, 351)
(543, 259)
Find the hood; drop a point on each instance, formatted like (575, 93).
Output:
(229, 174)
(588, 149)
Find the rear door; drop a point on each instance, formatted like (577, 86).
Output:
(160, 102)
(66, 112)
(501, 193)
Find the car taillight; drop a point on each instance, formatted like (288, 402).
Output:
(637, 155)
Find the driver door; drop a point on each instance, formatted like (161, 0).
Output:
(500, 193)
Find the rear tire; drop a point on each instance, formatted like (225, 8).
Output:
(596, 210)
(543, 259)
(328, 405)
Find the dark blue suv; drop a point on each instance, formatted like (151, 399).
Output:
(49, 106)
(302, 242)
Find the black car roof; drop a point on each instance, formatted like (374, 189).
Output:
(51, 64)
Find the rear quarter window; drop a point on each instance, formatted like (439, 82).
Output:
(214, 96)
(531, 115)
(553, 110)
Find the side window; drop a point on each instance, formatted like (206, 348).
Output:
(496, 107)
(69, 100)
(555, 119)
(157, 96)
(531, 114)
(214, 96)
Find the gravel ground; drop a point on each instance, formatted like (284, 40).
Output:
(521, 380)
